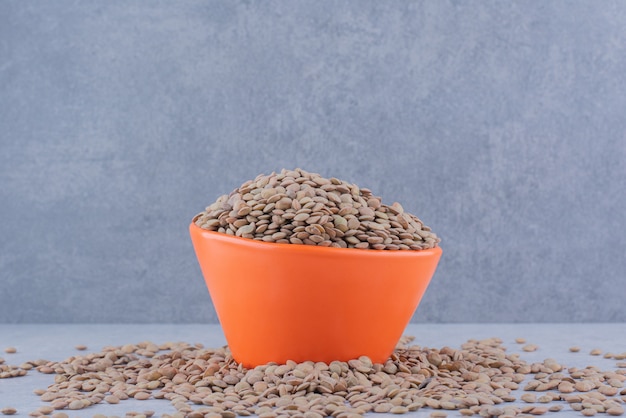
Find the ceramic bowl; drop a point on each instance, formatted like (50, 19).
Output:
(279, 302)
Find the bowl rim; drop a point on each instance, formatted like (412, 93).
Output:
(314, 249)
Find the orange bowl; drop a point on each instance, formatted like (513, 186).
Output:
(279, 302)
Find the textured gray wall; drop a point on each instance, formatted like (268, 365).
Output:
(501, 124)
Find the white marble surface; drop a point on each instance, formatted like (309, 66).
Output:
(57, 342)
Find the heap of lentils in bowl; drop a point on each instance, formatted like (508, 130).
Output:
(298, 207)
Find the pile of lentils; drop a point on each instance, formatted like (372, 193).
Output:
(298, 207)
(479, 378)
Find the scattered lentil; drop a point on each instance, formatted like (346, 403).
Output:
(9, 410)
(399, 410)
(45, 410)
(615, 410)
(538, 410)
(478, 378)
(10, 350)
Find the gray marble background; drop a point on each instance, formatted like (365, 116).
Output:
(501, 124)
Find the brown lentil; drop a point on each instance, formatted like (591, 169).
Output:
(298, 207)
(615, 410)
(538, 410)
(478, 378)
(530, 347)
